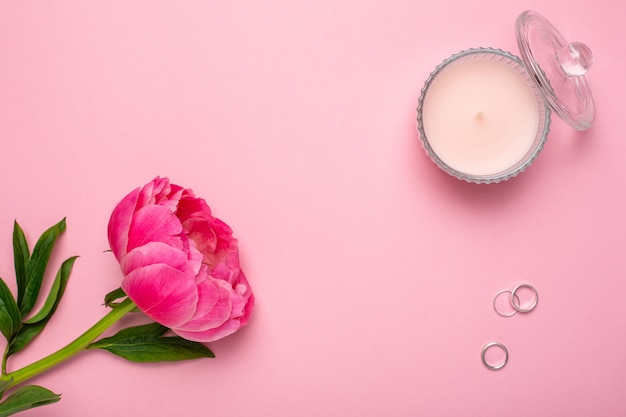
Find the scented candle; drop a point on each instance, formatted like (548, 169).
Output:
(481, 115)
(484, 114)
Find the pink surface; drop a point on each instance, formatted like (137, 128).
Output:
(373, 270)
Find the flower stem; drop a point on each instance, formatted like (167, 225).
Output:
(78, 345)
(4, 358)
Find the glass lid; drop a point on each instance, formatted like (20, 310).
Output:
(558, 67)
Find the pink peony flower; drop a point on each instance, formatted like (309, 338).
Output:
(180, 264)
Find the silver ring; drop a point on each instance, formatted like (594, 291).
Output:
(498, 365)
(496, 308)
(517, 306)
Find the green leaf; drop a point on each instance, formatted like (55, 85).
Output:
(21, 258)
(27, 333)
(146, 344)
(150, 329)
(10, 317)
(37, 266)
(35, 325)
(110, 298)
(25, 398)
(56, 292)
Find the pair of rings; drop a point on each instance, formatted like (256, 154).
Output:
(517, 307)
(515, 301)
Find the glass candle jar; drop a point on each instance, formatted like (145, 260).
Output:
(484, 114)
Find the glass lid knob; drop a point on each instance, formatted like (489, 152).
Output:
(575, 59)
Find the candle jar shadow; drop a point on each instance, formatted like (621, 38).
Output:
(474, 196)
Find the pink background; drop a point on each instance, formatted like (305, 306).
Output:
(373, 270)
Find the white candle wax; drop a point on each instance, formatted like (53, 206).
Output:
(480, 115)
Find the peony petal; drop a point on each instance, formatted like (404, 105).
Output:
(190, 206)
(205, 240)
(210, 335)
(208, 297)
(160, 192)
(193, 254)
(119, 224)
(238, 304)
(166, 294)
(155, 224)
(243, 288)
(225, 239)
(169, 196)
(247, 310)
(229, 270)
(214, 306)
(147, 196)
(157, 253)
